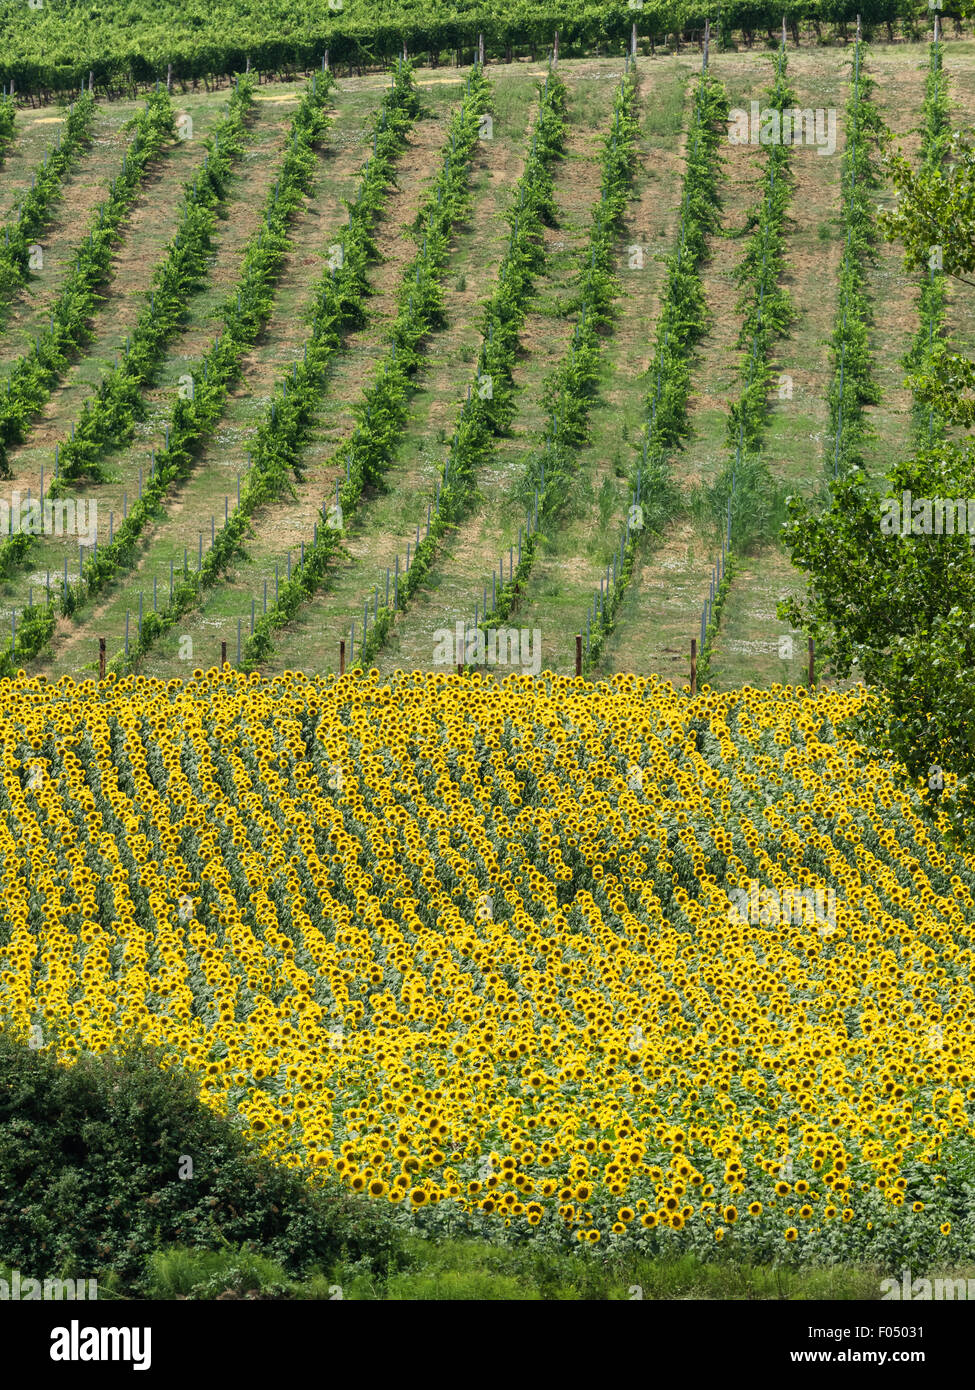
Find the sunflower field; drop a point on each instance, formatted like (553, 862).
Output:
(476, 949)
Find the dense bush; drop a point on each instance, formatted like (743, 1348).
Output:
(90, 1160)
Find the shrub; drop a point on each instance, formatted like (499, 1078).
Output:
(94, 1153)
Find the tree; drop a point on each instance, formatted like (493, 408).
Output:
(935, 220)
(891, 568)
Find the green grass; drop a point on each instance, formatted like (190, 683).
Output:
(477, 1271)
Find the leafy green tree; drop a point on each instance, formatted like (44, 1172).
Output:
(891, 575)
(935, 220)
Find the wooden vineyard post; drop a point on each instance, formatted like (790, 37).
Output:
(342, 657)
(693, 665)
(101, 658)
(223, 655)
(812, 663)
(578, 653)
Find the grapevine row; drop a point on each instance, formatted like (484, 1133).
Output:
(767, 313)
(488, 409)
(570, 390)
(936, 142)
(8, 117)
(853, 386)
(384, 411)
(53, 47)
(107, 419)
(682, 322)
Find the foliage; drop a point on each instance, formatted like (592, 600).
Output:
(897, 606)
(97, 1153)
(894, 601)
(8, 116)
(127, 43)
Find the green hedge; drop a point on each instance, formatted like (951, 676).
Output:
(94, 1153)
